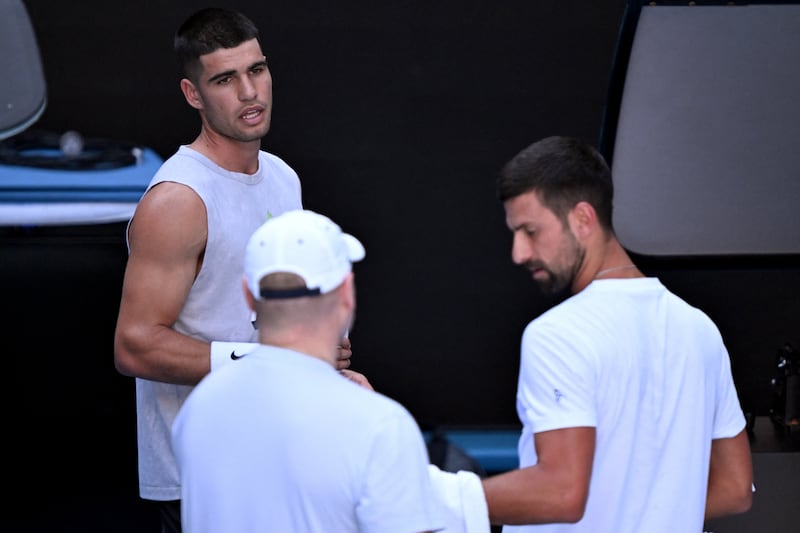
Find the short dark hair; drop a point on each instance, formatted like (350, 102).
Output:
(208, 30)
(562, 171)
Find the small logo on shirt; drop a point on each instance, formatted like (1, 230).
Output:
(235, 357)
(558, 394)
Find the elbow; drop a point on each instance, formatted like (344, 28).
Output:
(744, 500)
(737, 504)
(735, 500)
(122, 363)
(125, 361)
(571, 516)
(573, 510)
(572, 505)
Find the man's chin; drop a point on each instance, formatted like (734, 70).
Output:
(553, 293)
(548, 284)
(256, 135)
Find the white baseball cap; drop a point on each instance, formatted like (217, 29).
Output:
(304, 243)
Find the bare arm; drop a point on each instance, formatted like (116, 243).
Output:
(730, 477)
(167, 239)
(553, 490)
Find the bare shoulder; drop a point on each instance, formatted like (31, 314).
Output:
(169, 215)
(167, 199)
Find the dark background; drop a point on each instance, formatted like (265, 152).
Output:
(396, 115)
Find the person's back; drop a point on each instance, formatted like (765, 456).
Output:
(651, 395)
(281, 441)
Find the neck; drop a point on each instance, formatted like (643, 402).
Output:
(605, 271)
(231, 155)
(308, 342)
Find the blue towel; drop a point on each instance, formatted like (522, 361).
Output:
(25, 184)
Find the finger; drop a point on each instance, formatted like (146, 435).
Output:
(345, 343)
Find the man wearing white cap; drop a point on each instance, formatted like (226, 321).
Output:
(281, 441)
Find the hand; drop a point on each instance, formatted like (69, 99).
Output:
(343, 355)
(358, 378)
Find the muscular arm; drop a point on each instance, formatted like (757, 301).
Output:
(167, 239)
(730, 477)
(553, 490)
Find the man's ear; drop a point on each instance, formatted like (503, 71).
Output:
(190, 93)
(251, 301)
(583, 219)
(349, 290)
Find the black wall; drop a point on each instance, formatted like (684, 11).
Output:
(396, 115)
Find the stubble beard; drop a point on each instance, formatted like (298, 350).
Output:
(247, 136)
(232, 132)
(560, 279)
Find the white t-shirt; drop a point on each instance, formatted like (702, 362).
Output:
(652, 375)
(280, 441)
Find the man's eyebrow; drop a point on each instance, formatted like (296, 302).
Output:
(258, 64)
(221, 75)
(232, 72)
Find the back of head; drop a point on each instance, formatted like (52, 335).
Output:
(562, 171)
(297, 258)
(209, 30)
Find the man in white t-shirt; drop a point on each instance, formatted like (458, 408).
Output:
(281, 441)
(631, 421)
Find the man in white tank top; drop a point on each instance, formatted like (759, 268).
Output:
(182, 312)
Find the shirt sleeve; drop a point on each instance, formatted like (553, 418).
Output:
(556, 386)
(398, 495)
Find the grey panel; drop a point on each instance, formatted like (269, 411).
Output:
(23, 94)
(707, 152)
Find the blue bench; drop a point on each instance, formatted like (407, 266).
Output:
(495, 450)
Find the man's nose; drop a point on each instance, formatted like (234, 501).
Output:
(247, 89)
(520, 250)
